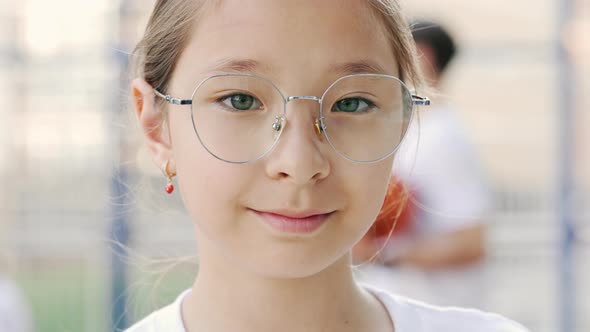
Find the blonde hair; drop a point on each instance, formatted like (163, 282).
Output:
(169, 27)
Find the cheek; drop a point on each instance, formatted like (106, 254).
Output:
(367, 185)
(210, 188)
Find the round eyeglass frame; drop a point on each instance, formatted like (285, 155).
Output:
(416, 101)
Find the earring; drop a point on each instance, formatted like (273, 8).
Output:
(169, 186)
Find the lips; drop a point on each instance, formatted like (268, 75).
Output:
(297, 222)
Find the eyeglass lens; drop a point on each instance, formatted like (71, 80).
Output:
(239, 118)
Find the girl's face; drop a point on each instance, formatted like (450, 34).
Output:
(296, 44)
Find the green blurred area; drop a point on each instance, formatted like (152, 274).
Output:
(75, 299)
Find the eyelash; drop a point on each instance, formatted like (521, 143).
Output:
(221, 102)
(370, 105)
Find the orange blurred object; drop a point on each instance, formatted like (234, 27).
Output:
(398, 200)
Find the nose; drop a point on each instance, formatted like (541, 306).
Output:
(301, 154)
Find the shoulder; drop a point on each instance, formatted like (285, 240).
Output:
(167, 319)
(414, 315)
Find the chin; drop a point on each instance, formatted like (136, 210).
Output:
(294, 266)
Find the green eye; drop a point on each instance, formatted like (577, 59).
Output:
(241, 102)
(352, 105)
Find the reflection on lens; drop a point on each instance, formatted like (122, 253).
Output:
(366, 116)
(235, 116)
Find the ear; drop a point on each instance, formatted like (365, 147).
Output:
(152, 123)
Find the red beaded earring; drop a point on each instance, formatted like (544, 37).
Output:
(169, 186)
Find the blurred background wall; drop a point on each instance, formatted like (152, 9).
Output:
(71, 165)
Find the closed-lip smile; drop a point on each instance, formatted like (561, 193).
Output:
(294, 221)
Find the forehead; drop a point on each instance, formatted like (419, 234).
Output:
(289, 38)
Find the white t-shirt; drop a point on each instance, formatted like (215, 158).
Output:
(408, 316)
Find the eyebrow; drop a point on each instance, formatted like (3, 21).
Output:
(235, 65)
(357, 67)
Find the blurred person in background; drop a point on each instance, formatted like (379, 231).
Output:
(436, 250)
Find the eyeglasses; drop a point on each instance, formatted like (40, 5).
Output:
(239, 118)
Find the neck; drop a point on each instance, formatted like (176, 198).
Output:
(327, 301)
